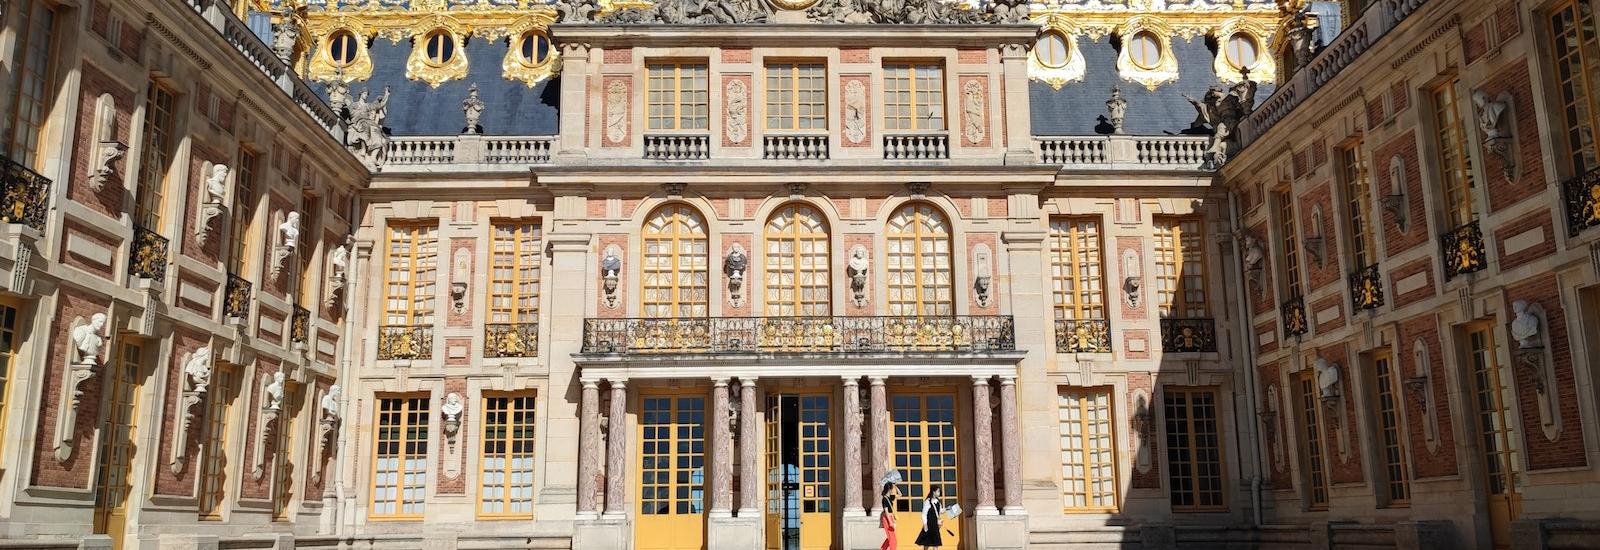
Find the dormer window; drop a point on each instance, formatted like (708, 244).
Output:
(1144, 49)
(441, 47)
(342, 48)
(1241, 50)
(1051, 50)
(534, 48)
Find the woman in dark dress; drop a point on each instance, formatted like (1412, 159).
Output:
(930, 537)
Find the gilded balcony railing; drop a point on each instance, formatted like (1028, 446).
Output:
(1366, 288)
(405, 342)
(1294, 316)
(1583, 202)
(1083, 336)
(511, 340)
(300, 326)
(236, 300)
(963, 334)
(1463, 250)
(147, 258)
(1188, 335)
(27, 195)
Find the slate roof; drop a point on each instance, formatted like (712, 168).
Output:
(417, 109)
(1079, 108)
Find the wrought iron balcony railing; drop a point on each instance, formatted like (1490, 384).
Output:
(1463, 250)
(1366, 288)
(1583, 202)
(405, 342)
(1083, 336)
(1294, 316)
(964, 334)
(27, 195)
(1182, 335)
(300, 326)
(511, 340)
(236, 300)
(147, 258)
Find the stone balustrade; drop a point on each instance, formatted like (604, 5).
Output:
(677, 146)
(1123, 152)
(916, 146)
(795, 147)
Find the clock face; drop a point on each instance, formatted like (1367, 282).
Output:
(793, 4)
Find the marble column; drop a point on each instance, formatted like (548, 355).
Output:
(588, 449)
(617, 452)
(1011, 445)
(880, 431)
(852, 447)
(751, 483)
(721, 451)
(983, 448)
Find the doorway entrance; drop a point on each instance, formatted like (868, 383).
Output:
(799, 461)
(1495, 434)
(113, 486)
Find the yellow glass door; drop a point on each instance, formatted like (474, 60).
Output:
(113, 486)
(799, 473)
(671, 473)
(1495, 436)
(924, 451)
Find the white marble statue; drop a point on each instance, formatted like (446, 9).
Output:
(452, 407)
(857, 268)
(198, 369)
(87, 340)
(1118, 108)
(1525, 326)
(472, 106)
(340, 258)
(1327, 377)
(275, 392)
(330, 403)
(217, 184)
(1489, 113)
(289, 230)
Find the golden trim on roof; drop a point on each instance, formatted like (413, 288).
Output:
(1098, 19)
(1265, 67)
(1074, 68)
(462, 19)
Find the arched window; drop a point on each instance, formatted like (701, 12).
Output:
(342, 48)
(1144, 49)
(919, 262)
(1241, 51)
(534, 48)
(1051, 50)
(441, 47)
(797, 262)
(675, 273)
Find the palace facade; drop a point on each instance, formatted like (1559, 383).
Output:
(695, 275)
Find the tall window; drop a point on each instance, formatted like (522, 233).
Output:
(1181, 268)
(1397, 473)
(913, 97)
(1353, 173)
(514, 290)
(8, 351)
(1290, 239)
(400, 473)
(159, 122)
(919, 262)
(1075, 268)
(1455, 166)
(1194, 449)
(118, 431)
(1576, 53)
(672, 455)
(283, 487)
(1313, 454)
(412, 274)
(1495, 423)
(310, 210)
(675, 263)
(26, 100)
(243, 215)
(797, 262)
(214, 461)
(1088, 450)
(505, 486)
(679, 96)
(797, 96)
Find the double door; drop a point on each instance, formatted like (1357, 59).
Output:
(799, 470)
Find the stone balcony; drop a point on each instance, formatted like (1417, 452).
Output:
(1122, 152)
(799, 335)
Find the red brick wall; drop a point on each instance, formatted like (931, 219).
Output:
(1130, 335)
(997, 283)
(185, 342)
(1334, 301)
(451, 360)
(1567, 451)
(1540, 220)
(855, 55)
(970, 56)
(999, 207)
(622, 56)
(211, 252)
(77, 231)
(200, 308)
(1427, 464)
(1375, 113)
(1514, 80)
(1424, 266)
(1509, 23)
(1395, 241)
(1151, 479)
(1475, 42)
(75, 472)
(1340, 469)
(332, 340)
(464, 440)
(736, 55)
(1264, 328)
(1399, 97)
(462, 246)
(108, 200)
(1319, 197)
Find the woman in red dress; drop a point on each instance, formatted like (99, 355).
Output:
(886, 517)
